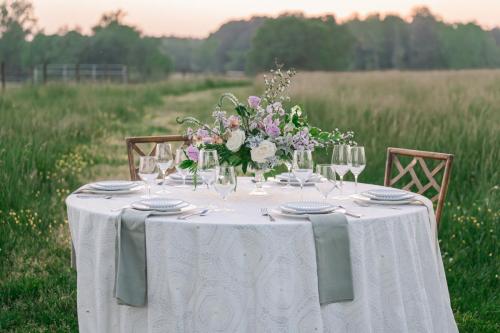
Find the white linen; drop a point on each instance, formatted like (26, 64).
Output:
(238, 272)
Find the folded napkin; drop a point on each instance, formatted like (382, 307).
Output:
(333, 258)
(130, 261)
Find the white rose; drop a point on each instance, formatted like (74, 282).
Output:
(263, 151)
(236, 140)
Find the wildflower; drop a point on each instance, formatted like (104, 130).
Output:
(254, 102)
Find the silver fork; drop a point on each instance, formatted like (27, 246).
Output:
(265, 212)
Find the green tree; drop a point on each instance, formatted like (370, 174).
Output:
(311, 44)
(17, 22)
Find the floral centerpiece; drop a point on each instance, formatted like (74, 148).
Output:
(261, 134)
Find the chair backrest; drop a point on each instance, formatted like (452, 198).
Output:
(409, 176)
(134, 147)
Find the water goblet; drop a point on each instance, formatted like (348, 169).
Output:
(341, 157)
(358, 163)
(165, 161)
(224, 184)
(180, 157)
(327, 181)
(208, 160)
(302, 167)
(148, 171)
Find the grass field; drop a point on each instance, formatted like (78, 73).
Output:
(54, 138)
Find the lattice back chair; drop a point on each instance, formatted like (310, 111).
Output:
(146, 146)
(435, 167)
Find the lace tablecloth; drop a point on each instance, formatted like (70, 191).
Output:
(238, 272)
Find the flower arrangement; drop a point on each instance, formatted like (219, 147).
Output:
(261, 134)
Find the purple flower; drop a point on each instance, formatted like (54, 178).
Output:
(272, 130)
(192, 153)
(254, 101)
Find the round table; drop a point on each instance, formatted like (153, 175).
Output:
(239, 272)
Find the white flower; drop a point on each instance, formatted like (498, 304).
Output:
(264, 150)
(296, 110)
(236, 140)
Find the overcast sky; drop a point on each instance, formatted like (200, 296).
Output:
(197, 18)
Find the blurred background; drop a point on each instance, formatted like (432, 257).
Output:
(45, 40)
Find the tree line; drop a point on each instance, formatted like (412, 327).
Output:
(376, 42)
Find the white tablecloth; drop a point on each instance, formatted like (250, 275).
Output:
(238, 272)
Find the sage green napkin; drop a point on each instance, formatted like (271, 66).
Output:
(130, 261)
(333, 259)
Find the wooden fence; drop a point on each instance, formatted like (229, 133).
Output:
(65, 73)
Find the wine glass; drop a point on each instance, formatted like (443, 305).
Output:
(207, 162)
(341, 158)
(302, 167)
(358, 163)
(180, 156)
(327, 181)
(148, 171)
(224, 184)
(288, 165)
(165, 160)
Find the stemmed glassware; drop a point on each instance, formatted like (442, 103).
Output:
(341, 159)
(358, 163)
(288, 165)
(180, 156)
(208, 160)
(302, 167)
(165, 161)
(224, 184)
(148, 171)
(327, 181)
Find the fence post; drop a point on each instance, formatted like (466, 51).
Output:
(35, 75)
(124, 74)
(2, 75)
(77, 72)
(93, 72)
(65, 73)
(44, 73)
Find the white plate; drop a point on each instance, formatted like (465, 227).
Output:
(307, 206)
(183, 210)
(377, 198)
(127, 191)
(292, 183)
(113, 185)
(162, 203)
(294, 216)
(383, 202)
(177, 176)
(388, 194)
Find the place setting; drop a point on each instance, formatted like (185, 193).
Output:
(108, 189)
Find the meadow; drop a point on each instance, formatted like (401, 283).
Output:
(54, 138)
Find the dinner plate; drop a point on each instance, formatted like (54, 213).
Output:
(113, 185)
(383, 202)
(183, 210)
(387, 194)
(307, 206)
(177, 176)
(292, 183)
(275, 211)
(160, 204)
(126, 191)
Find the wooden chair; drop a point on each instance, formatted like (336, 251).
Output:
(413, 183)
(134, 143)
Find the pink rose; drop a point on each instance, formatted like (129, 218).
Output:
(254, 101)
(233, 122)
(192, 153)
